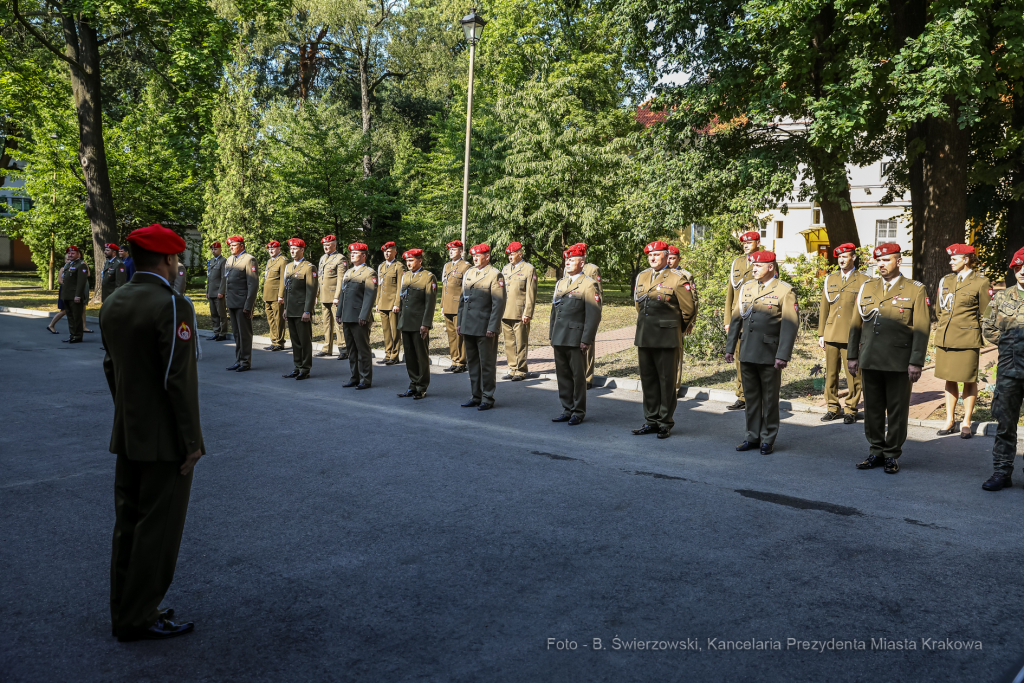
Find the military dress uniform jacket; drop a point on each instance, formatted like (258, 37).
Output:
(839, 305)
(149, 333)
(1003, 325)
(298, 288)
(483, 301)
(451, 285)
(358, 292)
(76, 281)
(767, 318)
(114, 275)
(891, 329)
(273, 277)
(329, 272)
(958, 307)
(740, 272)
(242, 281)
(418, 295)
(215, 281)
(389, 277)
(575, 312)
(520, 290)
(594, 273)
(665, 307)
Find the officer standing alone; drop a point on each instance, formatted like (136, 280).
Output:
(520, 299)
(836, 311)
(241, 287)
(298, 295)
(418, 295)
(215, 288)
(480, 311)
(575, 316)
(451, 294)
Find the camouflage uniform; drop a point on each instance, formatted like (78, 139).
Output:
(1003, 325)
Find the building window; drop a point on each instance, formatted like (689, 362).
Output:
(778, 230)
(19, 204)
(816, 218)
(886, 167)
(764, 229)
(885, 231)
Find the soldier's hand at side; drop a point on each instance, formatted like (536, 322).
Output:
(729, 358)
(584, 347)
(727, 329)
(190, 462)
(394, 309)
(280, 300)
(220, 296)
(362, 321)
(853, 366)
(821, 343)
(914, 372)
(305, 317)
(424, 331)
(458, 330)
(339, 319)
(335, 302)
(490, 334)
(781, 364)
(526, 320)
(248, 314)
(78, 299)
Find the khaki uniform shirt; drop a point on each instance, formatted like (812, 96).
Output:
(298, 288)
(273, 276)
(958, 307)
(451, 285)
(75, 281)
(418, 295)
(575, 311)
(839, 305)
(520, 290)
(331, 268)
(242, 281)
(358, 292)
(891, 329)
(115, 274)
(215, 281)
(767, 317)
(389, 276)
(665, 307)
(594, 273)
(741, 271)
(1003, 324)
(483, 301)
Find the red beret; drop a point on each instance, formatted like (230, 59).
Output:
(110, 245)
(386, 245)
(1018, 259)
(215, 245)
(296, 242)
(575, 250)
(762, 257)
(413, 253)
(480, 249)
(581, 245)
(672, 249)
(844, 248)
(513, 246)
(158, 239)
(454, 243)
(236, 239)
(358, 246)
(72, 248)
(959, 249)
(657, 245)
(329, 238)
(752, 236)
(886, 249)
(273, 243)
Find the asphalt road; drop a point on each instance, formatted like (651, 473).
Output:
(343, 535)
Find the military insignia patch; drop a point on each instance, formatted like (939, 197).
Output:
(433, 286)
(184, 332)
(374, 280)
(253, 269)
(314, 273)
(991, 292)
(597, 298)
(927, 301)
(686, 286)
(501, 283)
(796, 307)
(597, 277)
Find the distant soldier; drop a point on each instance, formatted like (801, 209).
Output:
(129, 265)
(389, 275)
(332, 266)
(739, 273)
(181, 279)
(114, 272)
(836, 311)
(418, 295)
(297, 293)
(480, 311)
(273, 278)
(520, 298)
(888, 340)
(75, 291)
(575, 317)
(592, 271)
(355, 313)
(451, 295)
(216, 285)
(673, 263)
(664, 306)
(766, 316)
(1003, 325)
(241, 288)
(962, 298)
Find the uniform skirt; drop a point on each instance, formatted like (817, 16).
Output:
(956, 365)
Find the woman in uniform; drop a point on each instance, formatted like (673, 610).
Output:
(962, 297)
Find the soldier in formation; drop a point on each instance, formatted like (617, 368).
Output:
(480, 311)
(329, 273)
(418, 296)
(75, 291)
(273, 278)
(297, 294)
(520, 298)
(739, 273)
(215, 288)
(181, 278)
(592, 271)
(241, 287)
(389, 274)
(575, 315)
(673, 263)
(451, 295)
(355, 314)
(114, 272)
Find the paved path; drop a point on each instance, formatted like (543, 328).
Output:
(930, 391)
(542, 358)
(336, 535)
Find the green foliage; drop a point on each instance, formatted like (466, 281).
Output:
(709, 262)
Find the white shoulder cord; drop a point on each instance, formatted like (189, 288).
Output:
(860, 309)
(731, 280)
(825, 288)
(944, 301)
(747, 313)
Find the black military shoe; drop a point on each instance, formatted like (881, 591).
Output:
(485, 406)
(302, 375)
(461, 368)
(646, 429)
(997, 482)
(590, 385)
(234, 367)
(892, 465)
(849, 418)
(348, 385)
(418, 396)
(407, 394)
(829, 416)
(767, 449)
(161, 630)
(450, 368)
(506, 376)
(664, 433)
(562, 418)
(575, 420)
(518, 378)
(341, 356)
(738, 405)
(243, 368)
(362, 386)
(290, 375)
(748, 446)
(471, 404)
(214, 338)
(222, 337)
(871, 462)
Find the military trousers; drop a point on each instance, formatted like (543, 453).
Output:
(482, 358)
(302, 343)
(392, 337)
(150, 504)
(218, 316)
(360, 358)
(275, 318)
(517, 345)
(1006, 403)
(456, 342)
(417, 361)
(241, 329)
(76, 318)
(739, 373)
(658, 383)
(886, 400)
(761, 385)
(571, 373)
(329, 329)
(590, 358)
(679, 367)
(835, 362)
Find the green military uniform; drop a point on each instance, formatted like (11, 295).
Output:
(958, 307)
(215, 291)
(418, 294)
(75, 284)
(298, 289)
(480, 311)
(181, 280)
(330, 269)
(358, 292)
(740, 272)
(889, 334)
(451, 295)
(241, 287)
(389, 275)
(594, 273)
(665, 306)
(520, 299)
(1003, 325)
(765, 317)
(575, 316)
(273, 278)
(836, 311)
(115, 274)
(688, 277)
(155, 387)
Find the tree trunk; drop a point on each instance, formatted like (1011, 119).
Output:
(364, 92)
(916, 184)
(836, 211)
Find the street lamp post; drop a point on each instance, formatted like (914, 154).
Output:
(473, 25)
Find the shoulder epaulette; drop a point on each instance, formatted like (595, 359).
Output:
(919, 284)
